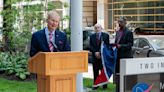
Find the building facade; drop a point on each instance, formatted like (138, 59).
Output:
(145, 14)
(148, 15)
(89, 13)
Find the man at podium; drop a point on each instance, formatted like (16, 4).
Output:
(49, 39)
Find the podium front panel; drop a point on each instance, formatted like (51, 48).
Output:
(66, 63)
(56, 71)
(64, 83)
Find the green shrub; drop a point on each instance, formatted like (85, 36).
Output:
(14, 64)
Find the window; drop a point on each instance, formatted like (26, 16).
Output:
(142, 43)
(135, 43)
(138, 13)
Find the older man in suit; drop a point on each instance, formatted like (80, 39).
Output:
(95, 48)
(49, 39)
(124, 43)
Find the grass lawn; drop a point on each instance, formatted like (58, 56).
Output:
(89, 82)
(17, 86)
(20, 86)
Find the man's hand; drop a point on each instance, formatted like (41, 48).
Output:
(97, 54)
(118, 46)
(89, 53)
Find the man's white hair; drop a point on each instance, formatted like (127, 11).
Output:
(53, 13)
(98, 25)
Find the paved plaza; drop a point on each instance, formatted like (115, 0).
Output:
(89, 74)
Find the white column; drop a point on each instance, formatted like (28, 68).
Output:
(76, 35)
(1, 18)
(100, 12)
(1, 4)
(45, 2)
(65, 13)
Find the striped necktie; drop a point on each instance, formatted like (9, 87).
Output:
(50, 42)
(97, 39)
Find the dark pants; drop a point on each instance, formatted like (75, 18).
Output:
(116, 75)
(132, 80)
(117, 81)
(97, 67)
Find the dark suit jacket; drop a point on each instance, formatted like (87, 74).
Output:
(125, 51)
(126, 43)
(96, 48)
(39, 42)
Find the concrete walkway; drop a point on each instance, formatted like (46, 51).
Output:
(89, 74)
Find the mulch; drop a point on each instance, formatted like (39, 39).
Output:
(31, 77)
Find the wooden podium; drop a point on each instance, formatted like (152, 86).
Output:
(56, 71)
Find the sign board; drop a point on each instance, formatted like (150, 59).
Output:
(136, 73)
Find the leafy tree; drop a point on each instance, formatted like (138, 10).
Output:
(19, 22)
